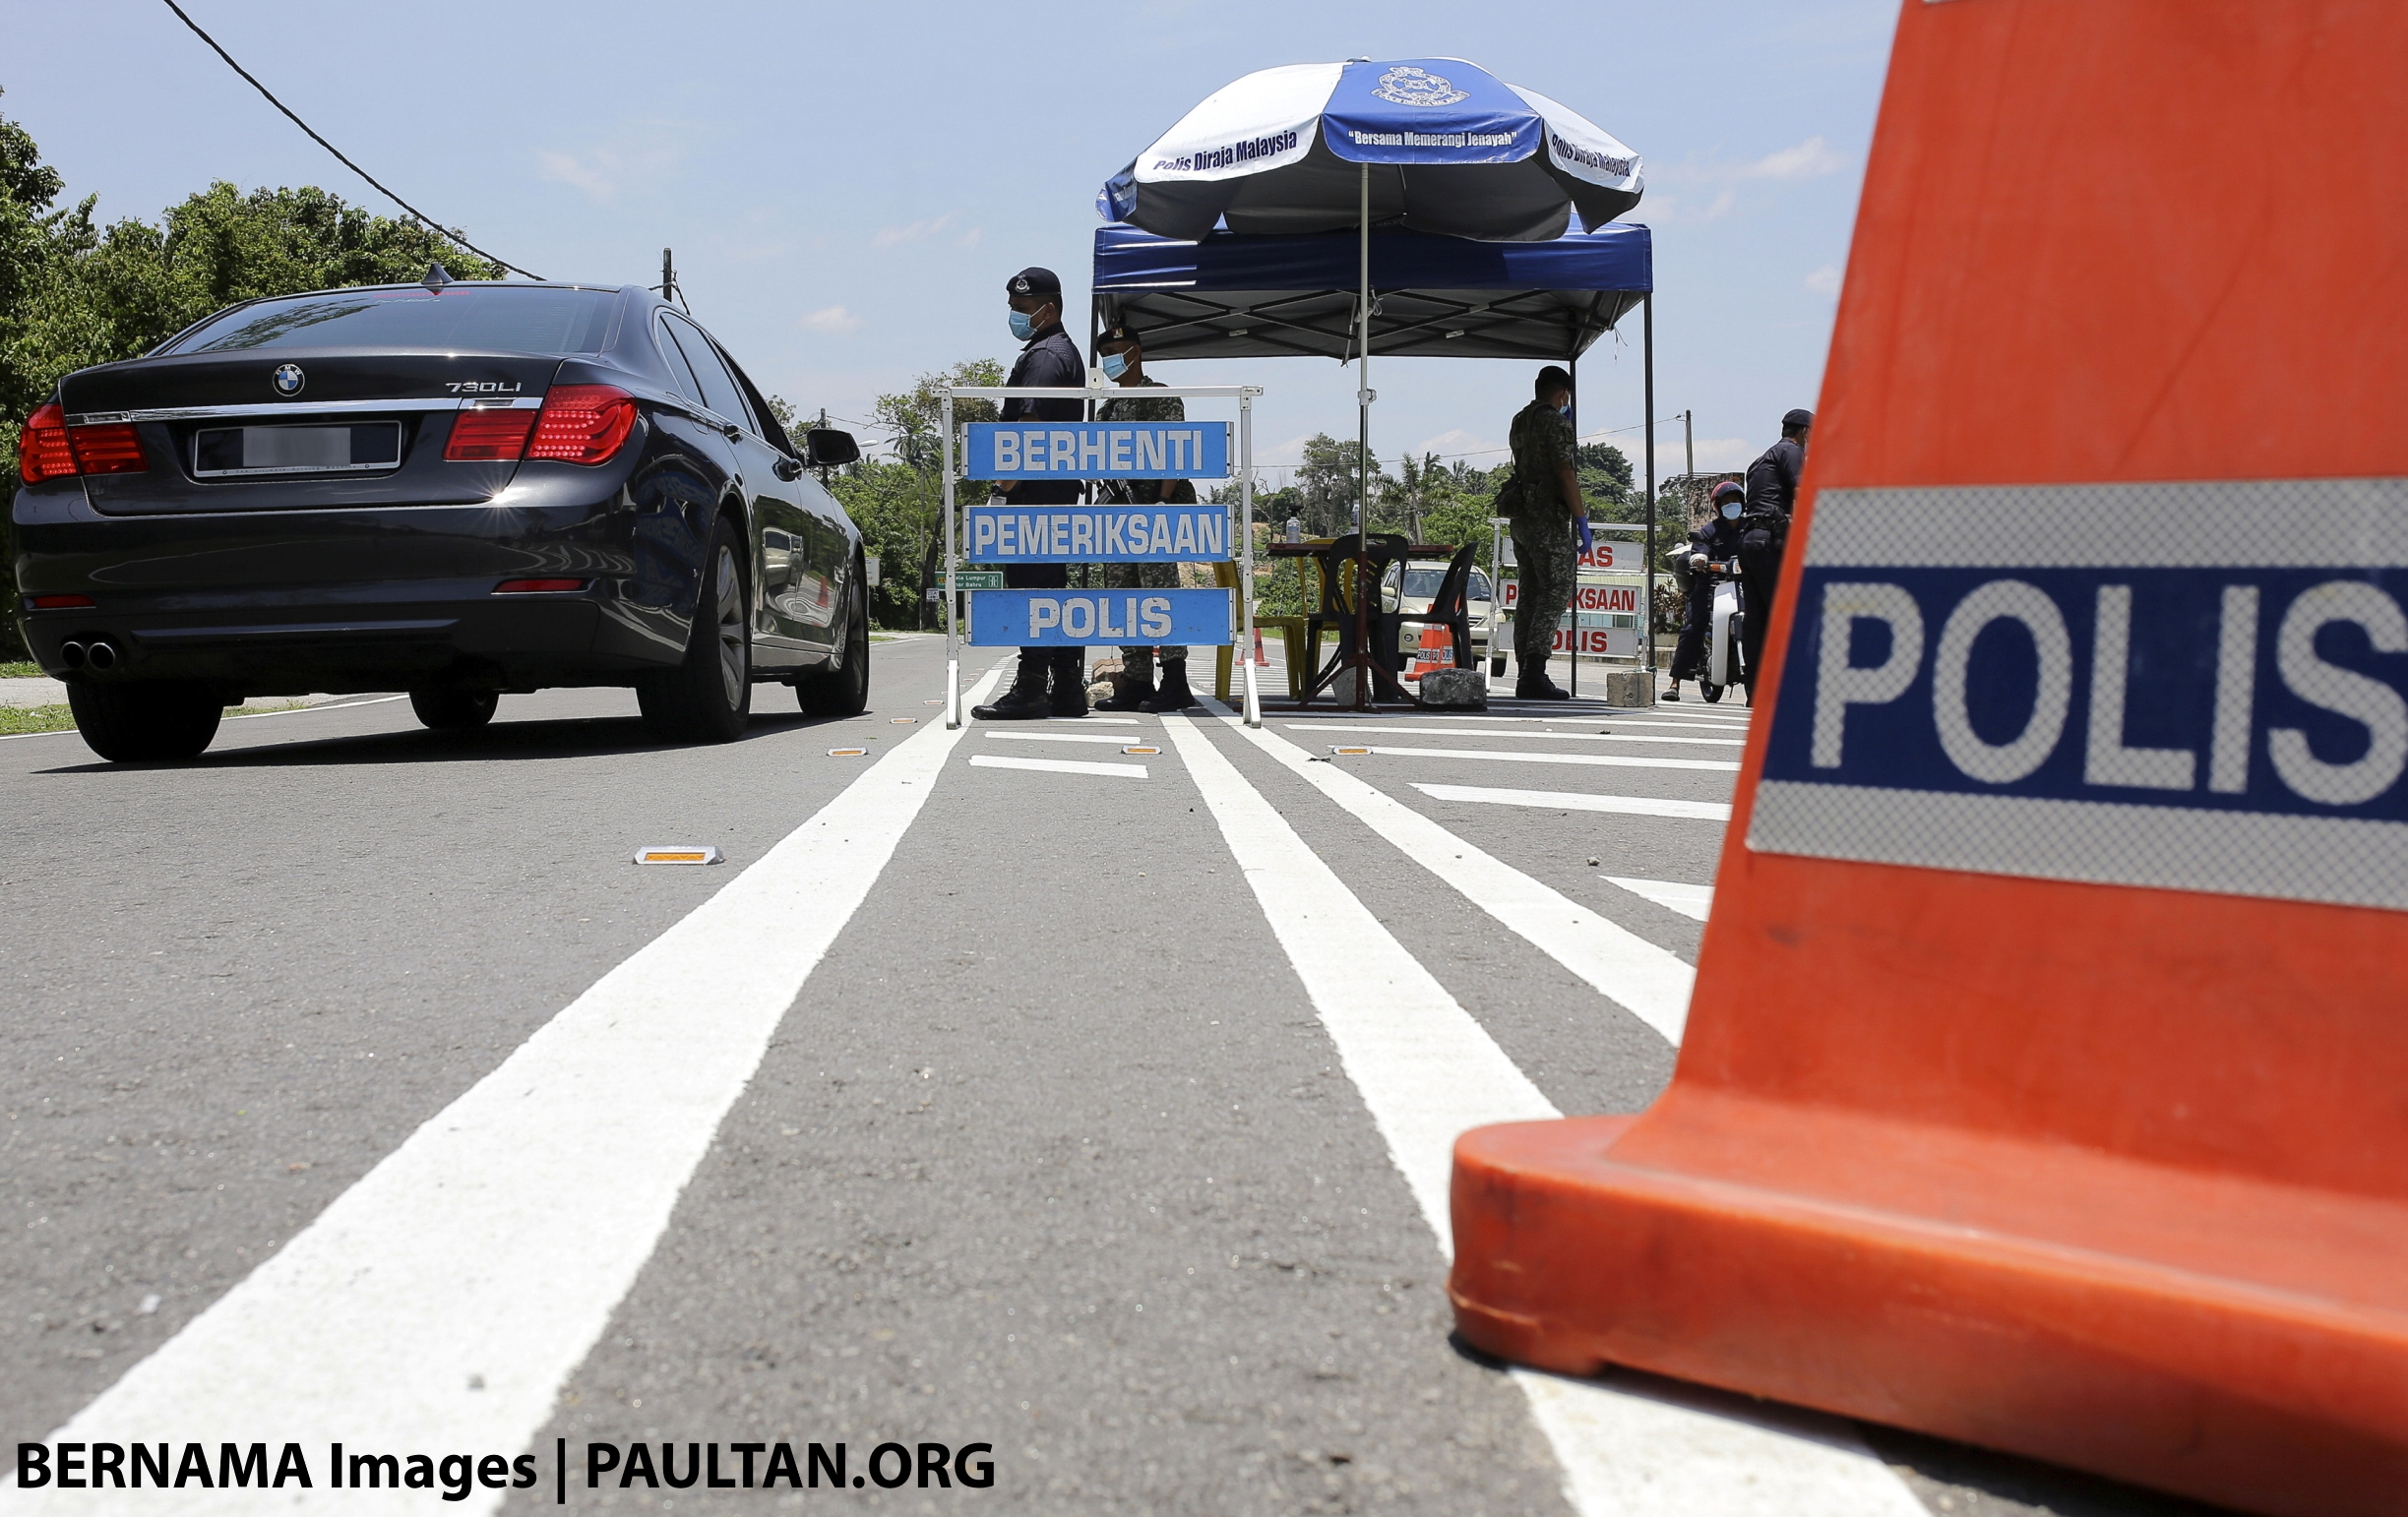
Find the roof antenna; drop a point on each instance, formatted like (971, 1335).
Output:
(668, 283)
(437, 276)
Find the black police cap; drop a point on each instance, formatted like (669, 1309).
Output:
(1033, 282)
(1797, 418)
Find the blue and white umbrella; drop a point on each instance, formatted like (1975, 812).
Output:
(1437, 144)
(1424, 145)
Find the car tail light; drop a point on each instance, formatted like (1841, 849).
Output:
(537, 587)
(42, 450)
(481, 436)
(583, 423)
(115, 449)
(62, 602)
(50, 448)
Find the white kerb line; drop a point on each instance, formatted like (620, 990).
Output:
(440, 1303)
(1652, 984)
(1426, 1072)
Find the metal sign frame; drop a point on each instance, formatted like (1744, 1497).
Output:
(1243, 525)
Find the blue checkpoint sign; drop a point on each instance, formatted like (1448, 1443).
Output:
(1099, 450)
(1069, 618)
(1097, 534)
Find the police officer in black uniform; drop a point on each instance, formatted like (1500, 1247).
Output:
(1773, 494)
(1048, 360)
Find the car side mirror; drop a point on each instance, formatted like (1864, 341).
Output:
(829, 447)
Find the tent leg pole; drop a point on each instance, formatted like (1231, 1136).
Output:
(1362, 396)
(1647, 361)
(1253, 707)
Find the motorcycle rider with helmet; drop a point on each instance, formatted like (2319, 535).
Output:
(1716, 541)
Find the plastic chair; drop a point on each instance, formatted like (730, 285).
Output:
(1450, 608)
(1353, 565)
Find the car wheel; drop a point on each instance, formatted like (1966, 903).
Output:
(844, 690)
(709, 697)
(155, 722)
(446, 708)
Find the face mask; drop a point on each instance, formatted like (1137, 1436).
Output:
(1730, 511)
(1023, 326)
(1115, 365)
(1563, 411)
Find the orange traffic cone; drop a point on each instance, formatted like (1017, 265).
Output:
(2042, 1086)
(1437, 651)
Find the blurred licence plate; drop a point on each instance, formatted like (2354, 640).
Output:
(219, 451)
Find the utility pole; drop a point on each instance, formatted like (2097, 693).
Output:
(1689, 442)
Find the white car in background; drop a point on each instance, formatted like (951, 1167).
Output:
(1420, 588)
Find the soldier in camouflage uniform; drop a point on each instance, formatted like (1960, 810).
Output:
(1544, 475)
(1135, 690)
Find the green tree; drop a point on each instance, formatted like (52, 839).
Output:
(898, 500)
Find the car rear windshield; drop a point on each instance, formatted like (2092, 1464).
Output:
(524, 319)
(1423, 584)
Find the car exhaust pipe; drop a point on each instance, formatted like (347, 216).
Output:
(71, 654)
(100, 655)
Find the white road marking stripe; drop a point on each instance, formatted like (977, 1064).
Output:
(1650, 982)
(1426, 1070)
(1690, 900)
(1611, 760)
(1663, 717)
(1579, 800)
(1059, 767)
(1115, 738)
(1457, 732)
(440, 1303)
(331, 705)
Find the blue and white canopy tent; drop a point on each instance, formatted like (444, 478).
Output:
(1481, 212)
(1481, 216)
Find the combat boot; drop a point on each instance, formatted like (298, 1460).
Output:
(1533, 684)
(1174, 695)
(1070, 697)
(1024, 702)
(1132, 687)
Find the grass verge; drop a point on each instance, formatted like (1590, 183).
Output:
(20, 671)
(16, 719)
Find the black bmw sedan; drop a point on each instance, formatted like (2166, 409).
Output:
(458, 488)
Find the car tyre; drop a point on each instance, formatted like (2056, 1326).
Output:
(709, 697)
(445, 708)
(156, 721)
(843, 689)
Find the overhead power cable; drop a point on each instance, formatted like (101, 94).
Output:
(429, 223)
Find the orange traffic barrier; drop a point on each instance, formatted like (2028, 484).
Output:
(2046, 1079)
(1437, 651)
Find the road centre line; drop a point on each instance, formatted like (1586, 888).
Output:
(1652, 984)
(1612, 760)
(1426, 1070)
(1457, 732)
(1114, 738)
(1579, 801)
(1059, 767)
(440, 1303)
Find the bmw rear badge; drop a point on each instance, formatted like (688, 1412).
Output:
(290, 378)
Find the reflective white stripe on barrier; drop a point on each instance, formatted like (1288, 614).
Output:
(2188, 686)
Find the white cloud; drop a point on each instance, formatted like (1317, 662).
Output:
(605, 170)
(1824, 280)
(913, 231)
(1715, 454)
(1457, 442)
(1809, 159)
(828, 318)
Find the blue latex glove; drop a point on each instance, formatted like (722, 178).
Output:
(1587, 542)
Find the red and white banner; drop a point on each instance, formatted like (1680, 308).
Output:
(1621, 599)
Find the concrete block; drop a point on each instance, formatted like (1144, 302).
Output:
(1455, 690)
(1629, 686)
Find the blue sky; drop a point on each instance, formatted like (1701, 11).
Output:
(847, 185)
